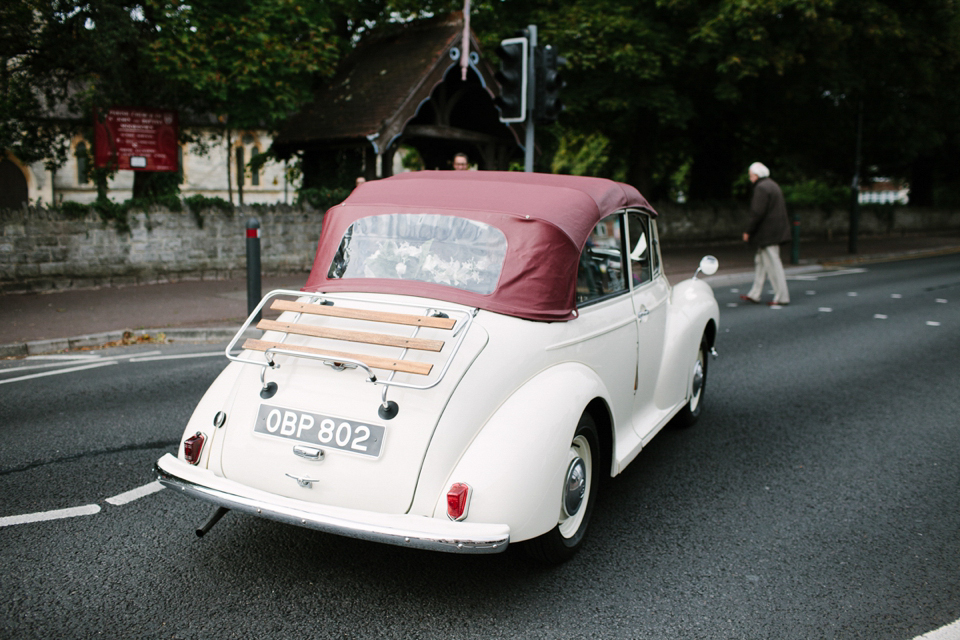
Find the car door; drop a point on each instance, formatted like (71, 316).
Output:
(607, 322)
(650, 293)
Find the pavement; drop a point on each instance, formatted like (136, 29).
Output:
(213, 310)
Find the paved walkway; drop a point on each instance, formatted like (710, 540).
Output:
(212, 310)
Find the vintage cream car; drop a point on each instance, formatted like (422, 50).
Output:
(471, 351)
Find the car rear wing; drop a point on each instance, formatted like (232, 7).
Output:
(330, 312)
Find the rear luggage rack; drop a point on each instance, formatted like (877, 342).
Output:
(329, 308)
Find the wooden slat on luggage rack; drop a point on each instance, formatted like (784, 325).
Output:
(390, 364)
(352, 336)
(360, 314)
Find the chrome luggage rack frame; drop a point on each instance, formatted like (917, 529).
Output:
(388, 409)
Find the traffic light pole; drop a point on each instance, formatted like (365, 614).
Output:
(531, 97)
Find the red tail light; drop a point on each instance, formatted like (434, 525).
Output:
(458, 501)
(192, 447)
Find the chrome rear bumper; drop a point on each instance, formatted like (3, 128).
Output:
(404, 530)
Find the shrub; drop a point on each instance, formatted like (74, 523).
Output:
(199, 202)
(322, 198)
(816, 193)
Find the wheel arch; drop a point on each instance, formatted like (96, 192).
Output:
(520, 484)
(599, 410)
(710, 331)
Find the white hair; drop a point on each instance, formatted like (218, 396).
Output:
(760, 170)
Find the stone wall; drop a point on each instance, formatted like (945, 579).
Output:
(720, 224)
(46, 250)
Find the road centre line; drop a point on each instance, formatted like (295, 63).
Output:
(72, 512)
(86, 510)
(826, 274)
(95, 365)
(135, 494)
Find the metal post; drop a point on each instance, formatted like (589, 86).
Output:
(855, 187)
(531, 96)
(795, 240)
(253, 265)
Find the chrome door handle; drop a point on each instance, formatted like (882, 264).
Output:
(644, 312)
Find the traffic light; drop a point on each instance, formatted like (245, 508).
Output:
(512, 77)
(549, 83)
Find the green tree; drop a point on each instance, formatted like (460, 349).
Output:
(716, 84)
(250, 62)
(27, 84)
(253, 61)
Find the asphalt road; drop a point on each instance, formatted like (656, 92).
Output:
(818, 497)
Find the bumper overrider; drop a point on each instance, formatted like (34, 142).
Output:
(404, 530)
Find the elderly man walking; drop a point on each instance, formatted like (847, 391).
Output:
(769, 228)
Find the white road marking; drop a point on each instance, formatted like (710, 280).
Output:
(732, 304)
(135, 494)
(826, 274)
(72, 512)
(86, 510)
(85, 356)
(942, 300)
(947, 632)
(825, 309)
(852, 294)
(879, 316)
(177, 356)
(931, 323)
(895, 296)
(61, 361)
(734, 290)
(42, 366)
(103, 363)
(811, 293)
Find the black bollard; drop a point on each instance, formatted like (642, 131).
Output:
(253, 266)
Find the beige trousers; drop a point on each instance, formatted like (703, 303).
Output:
(767, 265)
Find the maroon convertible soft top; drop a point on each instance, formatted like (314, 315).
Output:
(545, 218)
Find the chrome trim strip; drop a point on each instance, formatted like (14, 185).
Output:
(416, 532)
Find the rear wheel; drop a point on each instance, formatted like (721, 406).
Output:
(577, 498)
(698, 385)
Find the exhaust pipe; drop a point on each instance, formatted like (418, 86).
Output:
(218, 513)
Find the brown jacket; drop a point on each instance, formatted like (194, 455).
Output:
(768, 220)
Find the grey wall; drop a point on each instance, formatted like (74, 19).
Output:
(45, 249)
(679, 224)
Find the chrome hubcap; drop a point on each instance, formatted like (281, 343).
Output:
(697, 378)
(575, 487)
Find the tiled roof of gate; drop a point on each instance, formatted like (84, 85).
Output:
(375, 84)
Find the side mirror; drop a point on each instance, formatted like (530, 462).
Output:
(708, 266)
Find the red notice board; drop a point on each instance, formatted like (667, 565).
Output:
(135, 139)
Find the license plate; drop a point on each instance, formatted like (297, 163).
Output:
(320, 430)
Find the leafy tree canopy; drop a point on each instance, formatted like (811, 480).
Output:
(251, 60)
(666, 94)
(711, 85)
